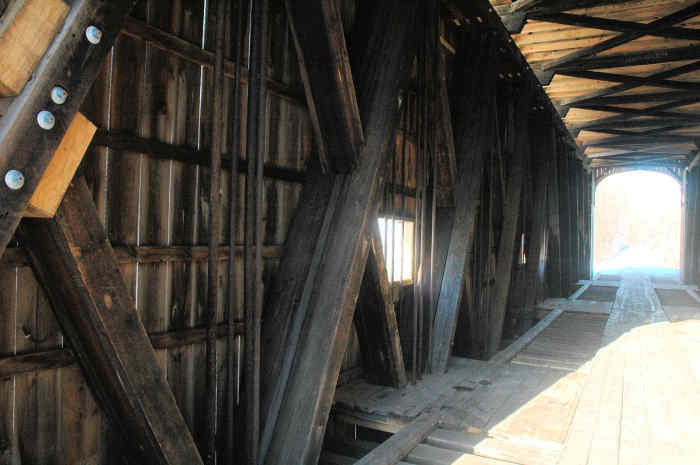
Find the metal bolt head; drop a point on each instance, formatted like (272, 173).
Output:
(93, 34)
(59, 95)
(14, 179)
(46, 120)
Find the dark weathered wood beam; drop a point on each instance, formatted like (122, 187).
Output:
(72, 61)
(673, 104)
(650, 132)
(555, 6)
(446, 120)
(650, 57)
(15, 256)
(641, 98)
(76, 265)
(193, 53)
(658, 111)
(664, 117)
(375, 320)
(634, 140)
(608, 162)
(324, 66)
(123, 142)
(256, 135)
(290, 291)
(542, 141)
(58, 358)
(519, 148)
(659, 24)
(214, 223)
(633, 81)
(35, 361)
(631, 84)
(469, 10)
(620, 154)
(634, 122)
(473, 121)
(554, 264)
(400, 444)
(642, 164)
(303, 396)
(514, 17)
(617, 25)
(564, 225)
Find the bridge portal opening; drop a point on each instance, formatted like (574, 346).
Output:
(637, 222)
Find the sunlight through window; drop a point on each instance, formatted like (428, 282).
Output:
(398, 252)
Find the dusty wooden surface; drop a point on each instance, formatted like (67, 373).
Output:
(617, 407)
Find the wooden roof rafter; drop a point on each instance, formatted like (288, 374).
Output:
(626, 72)
(634, 140)
(618, 26)
(634, 154)
(515, 14)
(653, 27)
(627, 122)
(621, 132)
(481, 12)
(631, 82)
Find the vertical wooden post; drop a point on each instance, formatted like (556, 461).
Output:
(519, 148)
(541, 145)
(689, 201)
(231, 369)
(474, 126)
(573, 239)
(257, 100)
(214, 233)
(694, 266)
(554, 268)
(564, 210)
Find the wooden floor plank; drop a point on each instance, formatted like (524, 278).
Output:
(634, 431)
(604, 447)
(580, 435)
(634, 402)
(429, 455)
(543, 414)
(494, 448)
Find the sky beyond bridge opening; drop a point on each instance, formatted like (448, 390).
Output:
(637, 222)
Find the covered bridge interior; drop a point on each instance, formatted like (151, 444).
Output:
(341, 231)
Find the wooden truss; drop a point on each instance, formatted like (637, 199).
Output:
(613, 65)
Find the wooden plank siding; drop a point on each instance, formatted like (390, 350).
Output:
(155, 206)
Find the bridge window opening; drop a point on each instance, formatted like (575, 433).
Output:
(397, 244)
(637, 222)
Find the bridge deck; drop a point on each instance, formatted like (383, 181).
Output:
(557, 401)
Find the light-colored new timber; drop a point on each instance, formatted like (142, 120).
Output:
(59, 174)
(26, 34)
